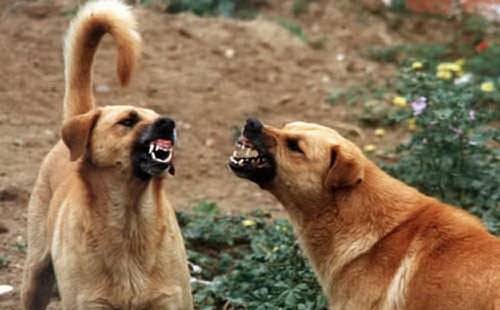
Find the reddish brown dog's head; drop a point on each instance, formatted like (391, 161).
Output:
(300, 161)
(129, 139)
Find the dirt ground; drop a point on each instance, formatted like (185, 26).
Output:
(209, 74)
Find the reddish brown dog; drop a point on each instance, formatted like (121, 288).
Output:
(374, 242)
(99, 222)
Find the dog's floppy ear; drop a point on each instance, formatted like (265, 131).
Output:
(344, 170)
(76, 131)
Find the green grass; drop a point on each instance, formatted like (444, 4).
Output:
(249, 261)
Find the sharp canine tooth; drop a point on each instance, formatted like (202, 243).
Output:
(235, 154)
(169, 157)
(151, 148)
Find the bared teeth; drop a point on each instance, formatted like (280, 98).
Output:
(154, 147)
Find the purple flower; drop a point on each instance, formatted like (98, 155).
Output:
(472, 115)
(457, 131)
(418, 106)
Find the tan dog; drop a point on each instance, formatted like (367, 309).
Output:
(374, 242)
(99, 222)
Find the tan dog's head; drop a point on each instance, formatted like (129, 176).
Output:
(129, 139)
(301, 160)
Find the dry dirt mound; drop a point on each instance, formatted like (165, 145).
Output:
(209, 74)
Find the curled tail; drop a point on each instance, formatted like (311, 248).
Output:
(94, 20)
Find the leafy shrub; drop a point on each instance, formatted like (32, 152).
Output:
(228, 8)
(250, 262)
(293, 27)
(299, 6)
(487, 63)
(398, 53)
(451, 154)
(398, 5)
(4, 261)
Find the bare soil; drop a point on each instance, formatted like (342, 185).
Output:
(209, 74)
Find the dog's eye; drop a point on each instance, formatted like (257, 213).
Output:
(293, 145)
(129, 121)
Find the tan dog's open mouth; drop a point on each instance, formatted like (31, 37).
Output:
(153, 152)
(161, 150)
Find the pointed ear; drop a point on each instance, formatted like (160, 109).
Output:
(76, 132)
(345, 169)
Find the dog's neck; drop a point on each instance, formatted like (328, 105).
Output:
(335, 230)
(121, 200)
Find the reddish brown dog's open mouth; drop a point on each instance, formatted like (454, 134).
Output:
(246, 154)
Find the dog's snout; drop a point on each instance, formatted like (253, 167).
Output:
(164, 124)
(253, 125)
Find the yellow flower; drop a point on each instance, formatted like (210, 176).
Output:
(444, 74)
(453, 67)
(412, 125)
(399, 101)
(487, 87)
(417, 65)
(460, 62)
(369, 148)
(248, 223)
(380, 132)
(449, 66)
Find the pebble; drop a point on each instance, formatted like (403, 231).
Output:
(209, 142)
(102, 88)
(5, 289)
(229, 53)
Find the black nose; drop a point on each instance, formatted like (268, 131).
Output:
(253, 125)
(164, 124)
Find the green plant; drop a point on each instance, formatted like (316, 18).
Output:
(299, 6)
(398, 5)
(432, 53)
(357, 93)
(294, 28)
(486, 63)
(21, 245)
(4, 261)
(451, 153)
(228, 8)
(249, 262)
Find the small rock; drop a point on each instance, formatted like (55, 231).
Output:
(37, 10)
(284, 99)
(5, 289)
(229, 53)
(184, 125)
(209, 142)
(340, 57)
(18, 142)
(380, 132)
(369, 148)
(102, 88)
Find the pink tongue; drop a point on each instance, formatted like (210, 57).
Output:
(163, 143)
